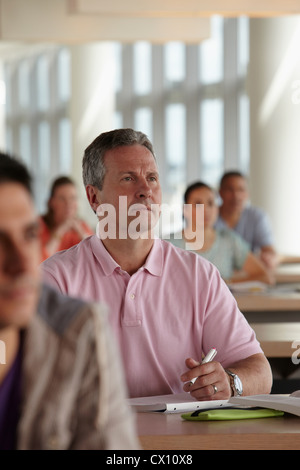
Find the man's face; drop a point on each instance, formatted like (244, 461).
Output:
(234, 193)
(20, 256)
(131, 172)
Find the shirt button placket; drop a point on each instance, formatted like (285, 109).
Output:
(130, 304)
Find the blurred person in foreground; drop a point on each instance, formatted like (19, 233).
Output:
(61, 227)
(61, 382)
(168, 306)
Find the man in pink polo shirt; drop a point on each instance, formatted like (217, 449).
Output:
(167, 306)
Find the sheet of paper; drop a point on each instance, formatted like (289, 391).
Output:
(287, 403)
(248, 287)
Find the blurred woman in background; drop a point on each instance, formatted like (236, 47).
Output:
(224, 248)
(60, 226)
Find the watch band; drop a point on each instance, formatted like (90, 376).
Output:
(235, 383)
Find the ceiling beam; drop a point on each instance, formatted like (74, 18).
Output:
(157, 21)
(186, 8)
(52, 20)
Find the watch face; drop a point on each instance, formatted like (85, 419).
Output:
(238, 385)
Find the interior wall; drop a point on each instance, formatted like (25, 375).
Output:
(92, 106)
(2, 109)
(274, 90)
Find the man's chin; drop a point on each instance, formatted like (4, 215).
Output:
(19, 311)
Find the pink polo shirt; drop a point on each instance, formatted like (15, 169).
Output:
(175, 306)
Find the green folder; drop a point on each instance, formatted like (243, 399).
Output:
(226, 414)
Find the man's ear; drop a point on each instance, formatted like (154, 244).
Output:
(93, 195)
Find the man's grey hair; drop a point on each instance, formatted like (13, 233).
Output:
(93, 164)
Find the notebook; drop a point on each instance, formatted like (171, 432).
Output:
(174, 403)
(184, 403)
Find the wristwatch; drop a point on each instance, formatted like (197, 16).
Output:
(235, 383)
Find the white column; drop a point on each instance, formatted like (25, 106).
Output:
(274, 90)
(92, 105)
(2, 108)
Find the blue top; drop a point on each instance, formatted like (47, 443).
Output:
(253, 226)
(10, 393)
(228, 253)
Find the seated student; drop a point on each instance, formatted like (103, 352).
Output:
(60, 226)
(61, 382)
(224, 248)
(250, 222)
(166, 304)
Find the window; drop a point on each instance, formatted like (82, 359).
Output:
(24, 84)
(42, 81)
(64, 145)
(143, 121)
(175, 144)
(211, 58)
(25, 142)
(142, 68)
(38, 128)
(191, 101)
(211, 138)
(184, 97)
(174, 62)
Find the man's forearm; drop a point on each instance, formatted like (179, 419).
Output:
(255, 374)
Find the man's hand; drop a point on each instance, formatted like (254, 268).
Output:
(254, 371)
(212, 381)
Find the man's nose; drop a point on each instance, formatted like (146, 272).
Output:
(16, 260)
(144, 190)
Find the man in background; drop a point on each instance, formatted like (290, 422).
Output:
(250, 222)
(61, 383)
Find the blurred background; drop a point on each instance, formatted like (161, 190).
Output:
(214, 87)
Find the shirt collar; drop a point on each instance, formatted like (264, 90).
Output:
(108, 264)
(154, 261)
(153, 264)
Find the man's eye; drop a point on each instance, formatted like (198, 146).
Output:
(31, 235)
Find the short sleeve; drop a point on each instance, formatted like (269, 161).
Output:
(263, 231)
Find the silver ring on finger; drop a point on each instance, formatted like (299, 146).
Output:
(215, 388)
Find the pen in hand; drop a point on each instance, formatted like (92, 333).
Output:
(208, 358)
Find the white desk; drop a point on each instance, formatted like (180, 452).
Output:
(289, 272)
(273, 306)
(276, 339)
